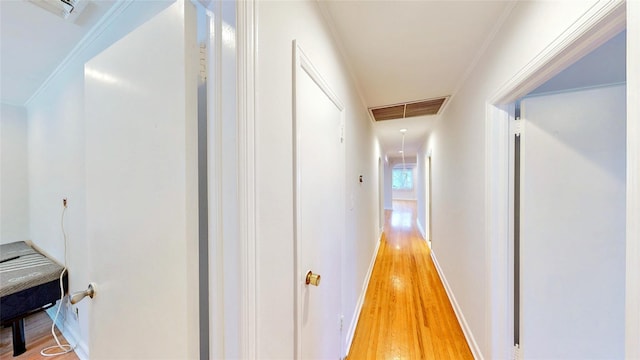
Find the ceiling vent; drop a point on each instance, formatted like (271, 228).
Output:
(411, 109)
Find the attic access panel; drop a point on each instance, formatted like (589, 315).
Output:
(402, 111)
(388, 113)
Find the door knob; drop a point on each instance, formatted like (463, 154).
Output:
(79, 295)
(313, 279)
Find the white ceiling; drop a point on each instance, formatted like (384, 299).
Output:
(399, 51)
(403, 51)
(33, 42)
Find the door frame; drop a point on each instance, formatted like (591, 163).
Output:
(301, 63)
(429, 190)
(246, 45)
(597, 25)
(380, 195)
(237, 335)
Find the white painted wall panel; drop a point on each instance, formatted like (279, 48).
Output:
(14, 181)
(573, 225)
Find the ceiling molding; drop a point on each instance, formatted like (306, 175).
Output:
(89, 38)
(483, 49)
(326, 14)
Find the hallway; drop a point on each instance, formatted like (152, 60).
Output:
(406, 312)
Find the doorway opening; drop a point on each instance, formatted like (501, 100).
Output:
(567, 50)
(569, 205)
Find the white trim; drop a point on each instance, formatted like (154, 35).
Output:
(498, 232)
(67, 329)
(89, 38)
(597, 25)
(504, 15)
(632, 350)
(361, 298)
(246, 57)
(302, 63)
(324, 10)
(215, 181)
(468, 334)
(214, 178)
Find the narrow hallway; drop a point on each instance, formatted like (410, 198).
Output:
(406, 312)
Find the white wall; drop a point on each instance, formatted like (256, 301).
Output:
(459, 172)
(14, 181)
(279, 23)
(633, 182)
(56, 137)
(573, 224)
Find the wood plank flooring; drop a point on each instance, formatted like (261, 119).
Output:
(37, 330)
(406, 312)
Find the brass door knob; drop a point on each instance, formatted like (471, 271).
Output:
(313, 279)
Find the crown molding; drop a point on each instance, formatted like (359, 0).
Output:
(87, 40)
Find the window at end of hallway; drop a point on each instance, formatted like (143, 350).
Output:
(402, 179)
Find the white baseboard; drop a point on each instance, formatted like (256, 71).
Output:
(473, 345)
(69, 331)
(365, 286)
(401, 198)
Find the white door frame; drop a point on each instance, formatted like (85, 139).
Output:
(238, 334)
(380, 194)
(246, 46)
(302, 64)
(595, 26)
(428, 190)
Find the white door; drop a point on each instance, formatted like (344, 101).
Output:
(141, 167)
(320, 211)
(573, 225)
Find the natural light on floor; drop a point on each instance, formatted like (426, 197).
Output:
(401, 219)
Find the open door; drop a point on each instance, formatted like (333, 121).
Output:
(141, 167)
(320, 212)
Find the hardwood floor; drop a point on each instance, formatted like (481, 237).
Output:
(406, 312)
(37, 329)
